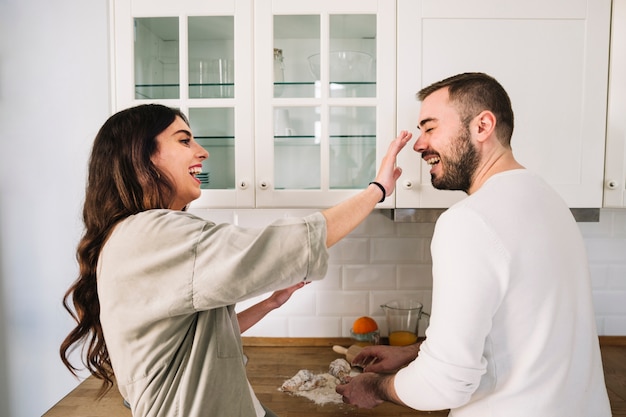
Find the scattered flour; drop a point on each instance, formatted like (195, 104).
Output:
(325, 394)
(322, 393)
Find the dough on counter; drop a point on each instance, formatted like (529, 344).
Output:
(304, 380)
(340, 369)
(320, 388)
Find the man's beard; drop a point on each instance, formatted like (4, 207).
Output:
(460, 165)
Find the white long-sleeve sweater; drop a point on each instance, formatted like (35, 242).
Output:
(512, 329)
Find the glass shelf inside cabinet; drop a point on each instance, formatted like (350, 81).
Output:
(295, 38)
(156, 58)
(350, 65)
(211, 51)
(352, 58)
(352, 146)
(297, 150)
(213, 129)
(295, 89)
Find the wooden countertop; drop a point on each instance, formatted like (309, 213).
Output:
(271, 363)
(83, 401)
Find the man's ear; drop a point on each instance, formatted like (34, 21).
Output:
(485, 124)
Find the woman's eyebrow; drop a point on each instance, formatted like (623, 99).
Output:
(185, 131)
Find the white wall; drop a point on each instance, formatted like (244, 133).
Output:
(53, 98)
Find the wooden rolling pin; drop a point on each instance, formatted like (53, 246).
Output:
(350, 352)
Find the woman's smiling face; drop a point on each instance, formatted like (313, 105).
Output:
(180, 157)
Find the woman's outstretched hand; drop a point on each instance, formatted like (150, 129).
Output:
(389, 172)
(255, 313)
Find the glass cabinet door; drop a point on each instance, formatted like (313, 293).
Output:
(211, 53)
(182, 54)
(324, 113)
(213, 129)
(156, 58)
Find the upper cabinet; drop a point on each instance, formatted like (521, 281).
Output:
(295, 113)
(615, 170)
(551, 57)
(325, 98)
(297, 101)
(195, 55)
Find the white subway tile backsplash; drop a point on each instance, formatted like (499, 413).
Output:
(377, 224)
(369, 277)
(617, 278)
(610, 303)
(415, 277)
(342, 303)
(350, 250)
(269, 327)
(606, 251)
(314, 327)
(618, 226)
(614, 326)
(403, 250)
(383, 260)
(424, 230)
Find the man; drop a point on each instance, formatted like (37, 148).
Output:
(512, 329)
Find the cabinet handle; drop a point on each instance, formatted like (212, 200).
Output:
(243, 184)
(263, 185)
(612, 184)
(407, 184)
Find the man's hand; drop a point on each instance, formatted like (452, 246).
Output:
(385, 359)
(368, 390)
(361, 391)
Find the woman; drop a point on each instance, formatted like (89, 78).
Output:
(154, 300)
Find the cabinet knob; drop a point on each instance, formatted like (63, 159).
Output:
(408, 184)
(612, 184)
(264, 185)
(243, 184)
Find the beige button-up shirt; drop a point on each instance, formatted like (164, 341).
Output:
(167, 285)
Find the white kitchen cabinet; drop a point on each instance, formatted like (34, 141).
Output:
(295, 101)
(195, 55)
(287, 125)
(551, 56)
(615, 168)
(325, 98)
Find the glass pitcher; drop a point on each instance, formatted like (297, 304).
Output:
(403, 317)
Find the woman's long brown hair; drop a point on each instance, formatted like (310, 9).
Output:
(122, 181)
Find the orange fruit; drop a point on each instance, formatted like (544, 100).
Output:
(364, 325)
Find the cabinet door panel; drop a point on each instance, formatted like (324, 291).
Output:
(325, 110)
(554, 69)
(615, 170)
(182, 54)
(506, 9)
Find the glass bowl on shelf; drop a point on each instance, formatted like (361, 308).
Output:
(345, 66)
